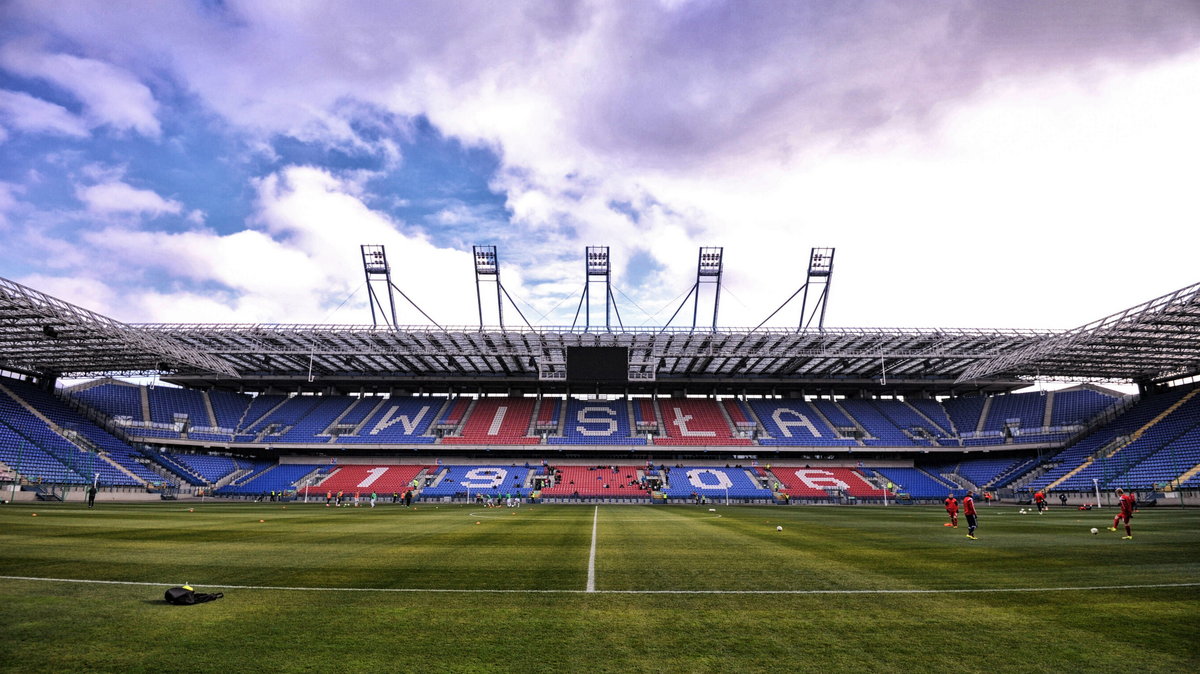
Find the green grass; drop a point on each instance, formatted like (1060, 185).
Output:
(66, 626)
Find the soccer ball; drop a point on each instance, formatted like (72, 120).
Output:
(1022, 511)
(1095, 531)
(778, 528)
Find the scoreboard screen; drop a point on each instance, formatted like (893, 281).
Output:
(597, 363)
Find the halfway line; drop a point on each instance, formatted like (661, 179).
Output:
(591, 583)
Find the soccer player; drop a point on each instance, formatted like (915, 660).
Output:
(952, 509)
(1126, 502)
(969, 510)
(1039, 499)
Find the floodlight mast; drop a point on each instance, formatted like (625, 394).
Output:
(376, 269)
(597, 270)
(487, 268)
(820, 272)
(709, 268)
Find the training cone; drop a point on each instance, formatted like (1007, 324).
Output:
(35, 515)
(946, 524)
(477, 523)
(262, 520)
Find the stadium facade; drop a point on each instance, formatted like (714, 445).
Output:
(760, 414)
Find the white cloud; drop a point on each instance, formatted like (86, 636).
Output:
(1032, 206)
(324, 216)
(110, 95)
(298, 264)
(119, 197)
(27, 113)
(969, 163)
(79, 290)
(8, 199)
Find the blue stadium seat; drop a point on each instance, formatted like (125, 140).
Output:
(596, 422)
(489, 480)
(713, 482)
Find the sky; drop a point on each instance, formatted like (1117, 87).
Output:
(994, 164)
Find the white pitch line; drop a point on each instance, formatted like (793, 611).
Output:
(973, 590)
(591, 582)
(493, 515)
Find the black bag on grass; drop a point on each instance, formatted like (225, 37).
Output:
(186, 596)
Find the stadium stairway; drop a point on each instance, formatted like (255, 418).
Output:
(1133, 437)
(1183, 479)
(866, 434)
(939, 430)
(208, 409)
(1163, 452)
(144, 403)
(825, 420)
(29, 408)
(983, 415)
(235, 478)
(77, 440)
(277, 478)
(371, 412)
(28, 458)
(1076, 470)
(177, 470)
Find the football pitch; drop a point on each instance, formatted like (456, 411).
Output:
(586, 588)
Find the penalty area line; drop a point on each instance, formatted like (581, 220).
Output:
(972, 590)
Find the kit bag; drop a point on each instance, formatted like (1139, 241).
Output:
(186, 596)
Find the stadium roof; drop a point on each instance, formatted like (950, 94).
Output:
(43, 336)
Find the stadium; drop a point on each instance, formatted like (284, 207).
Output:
(474, 337)
(813, 414)
(528, 422)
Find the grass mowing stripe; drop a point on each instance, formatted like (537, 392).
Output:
(591, 581)
(838, 589)
(592, 589)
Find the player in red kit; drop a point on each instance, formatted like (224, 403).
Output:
(969, 510)
(952, 509)
(1126, 502)
(1039, 499)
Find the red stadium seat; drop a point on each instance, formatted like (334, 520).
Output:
(368, 478)
(497, 421)
(695, 422)
(596, 481)
(814, 482)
